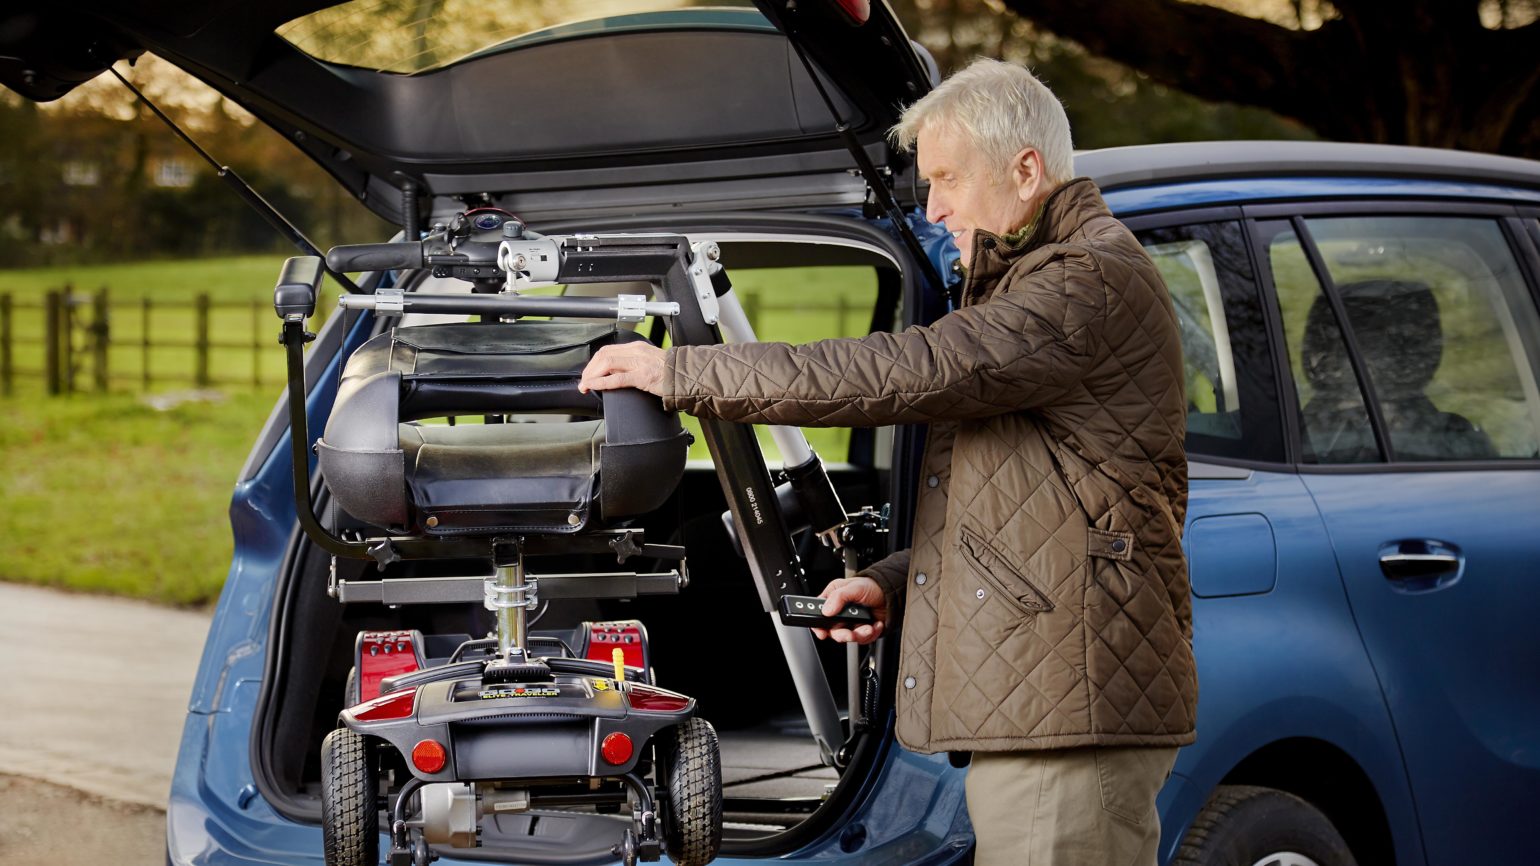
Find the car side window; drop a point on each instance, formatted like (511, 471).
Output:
(1446, 332)
(1333, 417)
(1232, 405)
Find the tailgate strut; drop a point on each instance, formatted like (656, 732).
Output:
(278, 221)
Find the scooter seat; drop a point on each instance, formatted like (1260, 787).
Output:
(621, 456)
(474, 478)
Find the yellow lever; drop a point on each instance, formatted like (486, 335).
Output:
(619, 657)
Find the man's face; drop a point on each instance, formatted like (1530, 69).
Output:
(967, 193)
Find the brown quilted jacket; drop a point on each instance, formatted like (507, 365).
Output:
(1045, 599)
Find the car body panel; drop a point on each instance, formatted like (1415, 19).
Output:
(1285, 664)
(1127, 202)
(1454, 679)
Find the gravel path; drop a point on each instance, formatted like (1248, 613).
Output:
(96, 691)
(61, 826)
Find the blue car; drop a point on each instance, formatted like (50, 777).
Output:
(1361, 328)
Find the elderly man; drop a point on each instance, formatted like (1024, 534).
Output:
(1046, 618)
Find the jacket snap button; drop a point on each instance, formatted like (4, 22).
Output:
(932, 481)
(980, 593)
(908, 682)
(1119, 545)
(987, 243)
(920, 578)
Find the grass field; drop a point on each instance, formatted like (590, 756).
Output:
(104, 493)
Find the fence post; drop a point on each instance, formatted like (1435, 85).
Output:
(67, 337)
(144, 342)
(7, 371)
(51, 350)
(201, 375)
(101, 331)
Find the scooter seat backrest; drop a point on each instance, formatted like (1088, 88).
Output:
(600, 457)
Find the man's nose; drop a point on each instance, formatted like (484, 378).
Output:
(936, 210)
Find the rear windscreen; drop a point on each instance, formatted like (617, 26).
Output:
(419, 35)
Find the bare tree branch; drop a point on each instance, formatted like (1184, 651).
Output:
(1398, 71)
(1172, 42)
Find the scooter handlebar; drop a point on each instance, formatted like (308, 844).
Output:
(352, 258)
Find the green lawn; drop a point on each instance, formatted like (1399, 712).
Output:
(104, 493)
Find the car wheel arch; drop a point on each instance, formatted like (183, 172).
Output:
(1329, 778)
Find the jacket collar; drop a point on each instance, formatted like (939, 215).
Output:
(1060, 216)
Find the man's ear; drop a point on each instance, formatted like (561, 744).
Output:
(1027, 174)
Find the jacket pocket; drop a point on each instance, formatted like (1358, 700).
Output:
(997, 571)
(1109, 544)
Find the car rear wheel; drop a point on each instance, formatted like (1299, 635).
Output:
(1245, 825)
(350, 825)
(692, 819)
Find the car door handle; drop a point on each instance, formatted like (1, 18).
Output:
(1421, 563)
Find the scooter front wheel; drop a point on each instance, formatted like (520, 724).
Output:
(350, 823)
(692, 821)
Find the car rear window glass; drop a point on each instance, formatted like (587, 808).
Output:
(783, 304)
(1231, 396)
(1333, 418)
(419, 35)
(1447, 331)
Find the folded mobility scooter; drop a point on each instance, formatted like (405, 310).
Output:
(492, 728)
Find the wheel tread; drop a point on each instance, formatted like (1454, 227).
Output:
(349, 811)
(1212, 839)
(693, 830)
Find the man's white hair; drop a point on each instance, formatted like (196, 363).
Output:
(1002, 108)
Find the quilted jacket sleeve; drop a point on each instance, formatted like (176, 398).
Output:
(891, 573)
(1023, 348)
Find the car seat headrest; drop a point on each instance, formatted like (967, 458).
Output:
(1396, 324)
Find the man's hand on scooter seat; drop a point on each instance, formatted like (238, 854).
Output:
(860, 590)
(628, 365)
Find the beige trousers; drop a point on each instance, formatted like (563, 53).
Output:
(1067, 807)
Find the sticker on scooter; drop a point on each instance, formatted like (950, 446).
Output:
(601, 685)
(524, 692)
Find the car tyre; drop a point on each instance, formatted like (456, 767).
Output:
(350, 824)
(692, 817)
(1246, 825)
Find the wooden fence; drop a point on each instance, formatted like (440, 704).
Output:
(84, 340)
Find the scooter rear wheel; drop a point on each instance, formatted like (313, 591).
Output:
(692, 821)
(350, 823)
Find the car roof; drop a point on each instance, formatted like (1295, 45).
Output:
(1168, 164)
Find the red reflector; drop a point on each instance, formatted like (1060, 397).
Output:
(858, 10)
(396, 705)
(616, 748)
(655, 700)
(429, 756)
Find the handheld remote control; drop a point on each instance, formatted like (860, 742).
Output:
(807, 611)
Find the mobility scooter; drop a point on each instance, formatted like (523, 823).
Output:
(493, 728)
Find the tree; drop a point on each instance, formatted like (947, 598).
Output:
(1444, 73)
(1108, 104)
